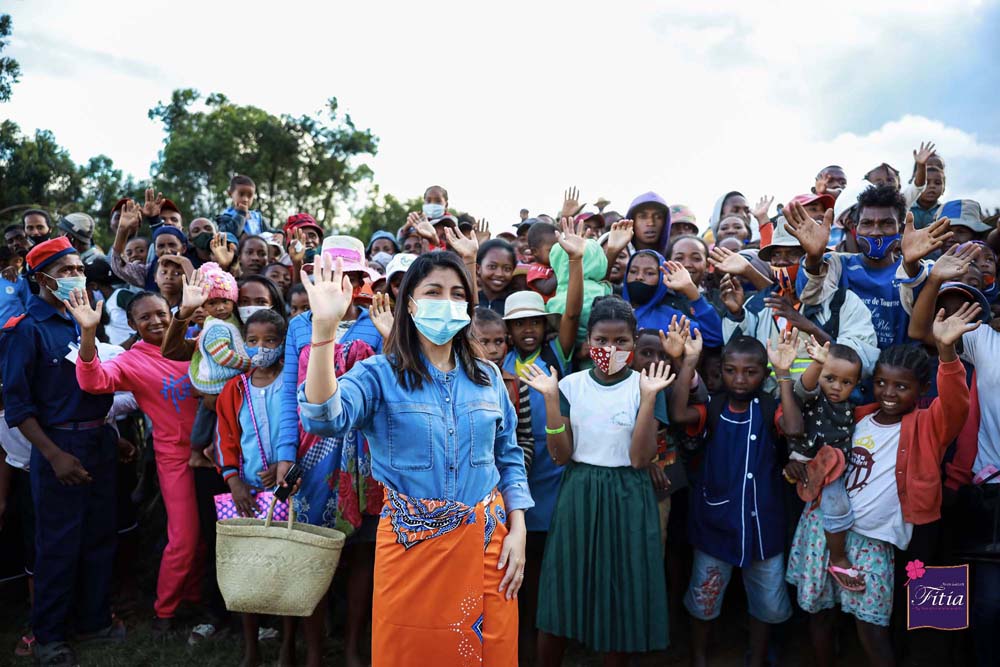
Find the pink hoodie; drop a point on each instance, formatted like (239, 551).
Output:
(162, 388)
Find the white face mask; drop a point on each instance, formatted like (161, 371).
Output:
(433, 211)
(247, 311)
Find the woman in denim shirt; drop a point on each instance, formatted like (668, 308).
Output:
(449, 556)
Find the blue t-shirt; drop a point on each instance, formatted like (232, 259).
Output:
(878, 290)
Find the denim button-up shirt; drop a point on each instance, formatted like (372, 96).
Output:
(451, 439)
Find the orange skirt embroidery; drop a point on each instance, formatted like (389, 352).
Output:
(436, 596)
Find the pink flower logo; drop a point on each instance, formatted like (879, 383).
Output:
(915, 569)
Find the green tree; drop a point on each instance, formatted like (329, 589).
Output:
(10, 71)
(35, 170)
(389, 215)
(300, 163)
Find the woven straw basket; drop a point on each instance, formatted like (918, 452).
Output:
(280, 570)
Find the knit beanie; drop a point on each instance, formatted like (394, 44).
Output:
(221, 284)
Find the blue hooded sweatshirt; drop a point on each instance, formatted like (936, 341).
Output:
(665, 304)
(653, 198)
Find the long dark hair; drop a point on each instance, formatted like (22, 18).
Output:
(403, 344)
(277, 301)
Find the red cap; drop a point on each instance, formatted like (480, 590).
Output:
(826, 200)
(298, 221)
(47, 252)
(119, 204)
(169, 205)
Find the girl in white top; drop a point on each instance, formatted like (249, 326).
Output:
(602, 578)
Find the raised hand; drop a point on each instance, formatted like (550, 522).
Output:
(947, 330)
(677, 278)
(297, 247)
(482, 229)
(811, 236)
(222, 254)
(572, 240)
(571, 203)
(381, 314)
(78, 306)
(129, 218)
(731, 293)
(331, 293)
(677, 334)
(693, 345)
(762, 207)
(422, 225)
(918, 243)
(194, 294)
(535, 377)
(154, 201)
(924, 153)
(465, 247)
(818, 353)
(655, 379)
(621, 234)
(727, 261)
(953, 264)
(782, 356)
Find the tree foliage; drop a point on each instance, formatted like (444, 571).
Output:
(36, 172)
(302, 163)
(10, 71)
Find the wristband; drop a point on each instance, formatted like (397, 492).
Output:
(322, 343)
(555, 431)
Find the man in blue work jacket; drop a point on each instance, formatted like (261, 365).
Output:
(73, 459)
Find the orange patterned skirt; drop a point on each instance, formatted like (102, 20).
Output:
(436, 596)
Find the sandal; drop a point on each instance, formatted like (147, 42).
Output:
(25, 646)
(840, 576)
(826, 466)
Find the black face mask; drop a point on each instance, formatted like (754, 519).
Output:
(41, 238)
(639, 293)
(202, 240)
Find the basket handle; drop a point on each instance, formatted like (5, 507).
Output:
(270, 512)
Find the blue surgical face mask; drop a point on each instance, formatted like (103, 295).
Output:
(433, 211)
(263, 357)
(65, 286)
(877, 247)
(440, 319)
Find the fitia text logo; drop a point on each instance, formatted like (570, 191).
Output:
(937, 597)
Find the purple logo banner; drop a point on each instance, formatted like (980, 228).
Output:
(937, 597)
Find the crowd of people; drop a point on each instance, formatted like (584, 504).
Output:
(573, 430)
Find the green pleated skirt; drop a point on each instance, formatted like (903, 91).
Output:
(602, 578)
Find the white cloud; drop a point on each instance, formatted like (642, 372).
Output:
(508, 107)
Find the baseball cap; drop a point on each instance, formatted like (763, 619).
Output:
(78, 225)
(971, 294)
(826, 200)
(399, 264)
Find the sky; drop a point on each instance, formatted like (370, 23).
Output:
(508, 104)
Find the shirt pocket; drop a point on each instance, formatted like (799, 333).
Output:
(484, 419)
(411, 435)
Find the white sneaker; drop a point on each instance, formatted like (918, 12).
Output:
(264, 634)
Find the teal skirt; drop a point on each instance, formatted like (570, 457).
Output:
(602, 578)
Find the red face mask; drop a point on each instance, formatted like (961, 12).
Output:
(610, 359)
(784, 277)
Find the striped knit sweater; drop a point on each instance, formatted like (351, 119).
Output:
(220, 355)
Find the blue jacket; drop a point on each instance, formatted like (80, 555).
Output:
(234, 222)
(737, 508)
(298, 337)
(657, 313)
(451, 439)
(38, 380)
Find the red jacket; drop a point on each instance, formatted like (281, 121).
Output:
(923, 438)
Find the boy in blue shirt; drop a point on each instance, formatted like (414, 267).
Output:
(871, 273)
(736, 518)
(238, 219)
